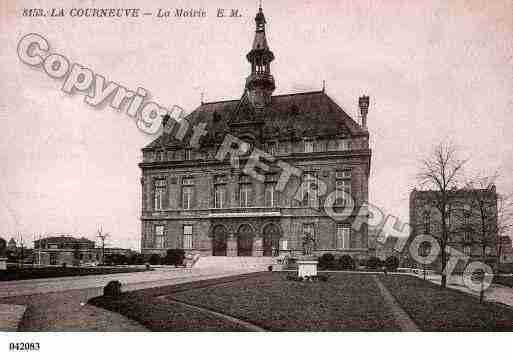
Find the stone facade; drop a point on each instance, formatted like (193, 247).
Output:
(207, 204)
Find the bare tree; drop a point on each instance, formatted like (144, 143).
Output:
(504, 222)
(484, 225)
(440, 172)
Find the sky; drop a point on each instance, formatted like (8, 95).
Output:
(434, 70)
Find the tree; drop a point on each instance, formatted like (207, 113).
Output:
(440, 171)
(494, 214)
(504, 222)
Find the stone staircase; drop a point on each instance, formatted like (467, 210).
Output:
(248, 264)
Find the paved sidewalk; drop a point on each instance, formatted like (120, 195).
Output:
(495, 293)
(59, 304)
(10, 317)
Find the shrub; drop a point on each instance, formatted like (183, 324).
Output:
(116, 259)
(112, 289)
(373, 263)
(391, 263)
(155, 259)
(174, 257)
(346, 262)
(327, 261)
(137, 258)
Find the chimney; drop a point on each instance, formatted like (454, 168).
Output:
(363, 102)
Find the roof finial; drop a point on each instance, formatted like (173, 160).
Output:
(323, 85)
(260, 5)
(202, 94)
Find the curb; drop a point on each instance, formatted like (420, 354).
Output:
(10, 317)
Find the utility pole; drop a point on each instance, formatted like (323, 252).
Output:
(102, 237)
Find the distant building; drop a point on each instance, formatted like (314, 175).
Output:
(464, 223)
(506, 250)
(65, 250)
(11, 246)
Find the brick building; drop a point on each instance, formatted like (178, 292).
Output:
(471, 212)
(209, 206)
(506, 249)
(65, 249)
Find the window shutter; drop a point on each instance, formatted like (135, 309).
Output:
(211, 185)
(236, 195)
(194, 194)
(152, 194)
(179, 193)
(165, 201)
(165, 241)
(251, 197)
(144, 190)
(225, 196)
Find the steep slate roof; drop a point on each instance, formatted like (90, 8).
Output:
(310, 114)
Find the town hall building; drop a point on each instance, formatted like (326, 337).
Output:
(207, 206)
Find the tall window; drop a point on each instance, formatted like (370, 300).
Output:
(245, 191)
(187, 154)
(448, 211)
(159, 236)
(187, 192)
(309, 188)
(466, 250)
(159, 155)
(344, 144)
(343, 236)
(220, 192)
(187, 236)
(466, 222)
(309, 146)
(271, 194)
(271, 148)
(160, 192)
(427, 221)
(342, 186)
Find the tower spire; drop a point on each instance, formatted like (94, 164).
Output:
(260, 83)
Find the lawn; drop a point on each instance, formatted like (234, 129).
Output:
(53, 272)
(347, 302)
(436, 309)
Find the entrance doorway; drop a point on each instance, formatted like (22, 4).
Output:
(271, 244)
(245, 237)
(219, 241)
